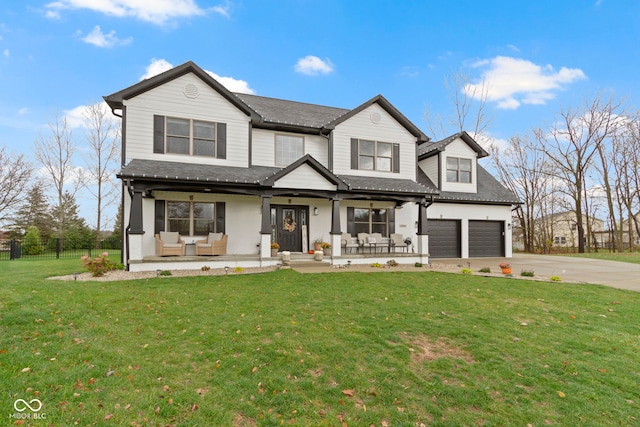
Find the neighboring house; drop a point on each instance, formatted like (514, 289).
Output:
(562, 230)
(197, 158)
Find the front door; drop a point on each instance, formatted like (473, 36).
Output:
(288, 226)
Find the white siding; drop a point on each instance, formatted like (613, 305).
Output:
(430, 167)
(386, 130)
(459, 148)
(170, 100)
(264, 147)
(304, 177)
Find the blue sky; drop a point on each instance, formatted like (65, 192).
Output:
(536, 57)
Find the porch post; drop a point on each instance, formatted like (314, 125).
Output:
(265, 227)
(423, 232)
(135, 214)
(336, 234)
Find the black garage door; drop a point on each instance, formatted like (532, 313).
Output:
(444, 238)
(486, 239)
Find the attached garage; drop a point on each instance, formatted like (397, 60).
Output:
(444, 238)
(486, 239)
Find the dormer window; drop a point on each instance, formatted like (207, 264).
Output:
(458, 170)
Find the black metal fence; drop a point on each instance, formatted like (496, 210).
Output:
(56, 248)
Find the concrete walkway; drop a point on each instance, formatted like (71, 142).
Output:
(621, 275)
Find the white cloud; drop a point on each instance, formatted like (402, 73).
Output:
(157, 11)
(511, 82)
(158, 66)
(6, 52)
(23, 111)
(312, 65)
(76, 116)
(100, 39)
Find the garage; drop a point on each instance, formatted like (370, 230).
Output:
(486, 239)
(444, 238)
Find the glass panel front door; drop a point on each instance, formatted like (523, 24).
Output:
(290, 221)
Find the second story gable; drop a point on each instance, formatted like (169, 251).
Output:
(452, 163)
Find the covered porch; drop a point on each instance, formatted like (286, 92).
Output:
(293, 207)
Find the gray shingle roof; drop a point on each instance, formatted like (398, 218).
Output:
(176, 171)
(291, 112)
(155, 170)
(428, 149)
(490, 191)
(394, 185)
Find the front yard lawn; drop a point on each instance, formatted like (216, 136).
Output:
(348, 349)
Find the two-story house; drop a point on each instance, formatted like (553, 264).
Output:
(199, 159)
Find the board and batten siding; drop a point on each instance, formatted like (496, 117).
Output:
(387, 129)
(430, 167)
(170, 100)
(264, 147)
(460, 149)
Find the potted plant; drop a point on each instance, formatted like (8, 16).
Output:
(317, 244)
(506, 267)
(326, 248)
(274, 249)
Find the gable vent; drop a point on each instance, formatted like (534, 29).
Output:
(375, 117)
(190, 91)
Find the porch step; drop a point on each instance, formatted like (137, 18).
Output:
(310, 266)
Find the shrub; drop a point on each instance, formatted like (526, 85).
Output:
(238, 269)
(527, 273)
(417, 264)
(205, 268)
(485, 270)
(467, 271)
(165, 273)
(32, 243)
(99, 265)
(555, 279)
(377, 265)
(392, 263)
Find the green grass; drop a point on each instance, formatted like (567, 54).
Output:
(356, 349)
(632, 257)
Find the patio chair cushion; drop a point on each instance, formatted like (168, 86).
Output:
(214, 237)
(170, 238)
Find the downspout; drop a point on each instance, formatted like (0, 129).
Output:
(126, 231)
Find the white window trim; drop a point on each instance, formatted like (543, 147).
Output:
(446, 167)
(375, 156)
(275, 148)
(191, 137)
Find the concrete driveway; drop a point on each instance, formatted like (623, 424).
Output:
(621, 275)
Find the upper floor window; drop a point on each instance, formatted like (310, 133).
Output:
(458, 170)
(375, 155)
(289, 148)
(189, 137)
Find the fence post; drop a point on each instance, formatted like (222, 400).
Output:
(58, 247)
(14, 250)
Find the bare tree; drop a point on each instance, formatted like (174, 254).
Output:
(15, 174)
(469, 108)
(524, 170)
(571, 144)
(102, 135)
(627, 165)
(55, 154)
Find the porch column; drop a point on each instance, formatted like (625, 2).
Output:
(336, 234)
(135, 214)
(423, 232)
(265, 228)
